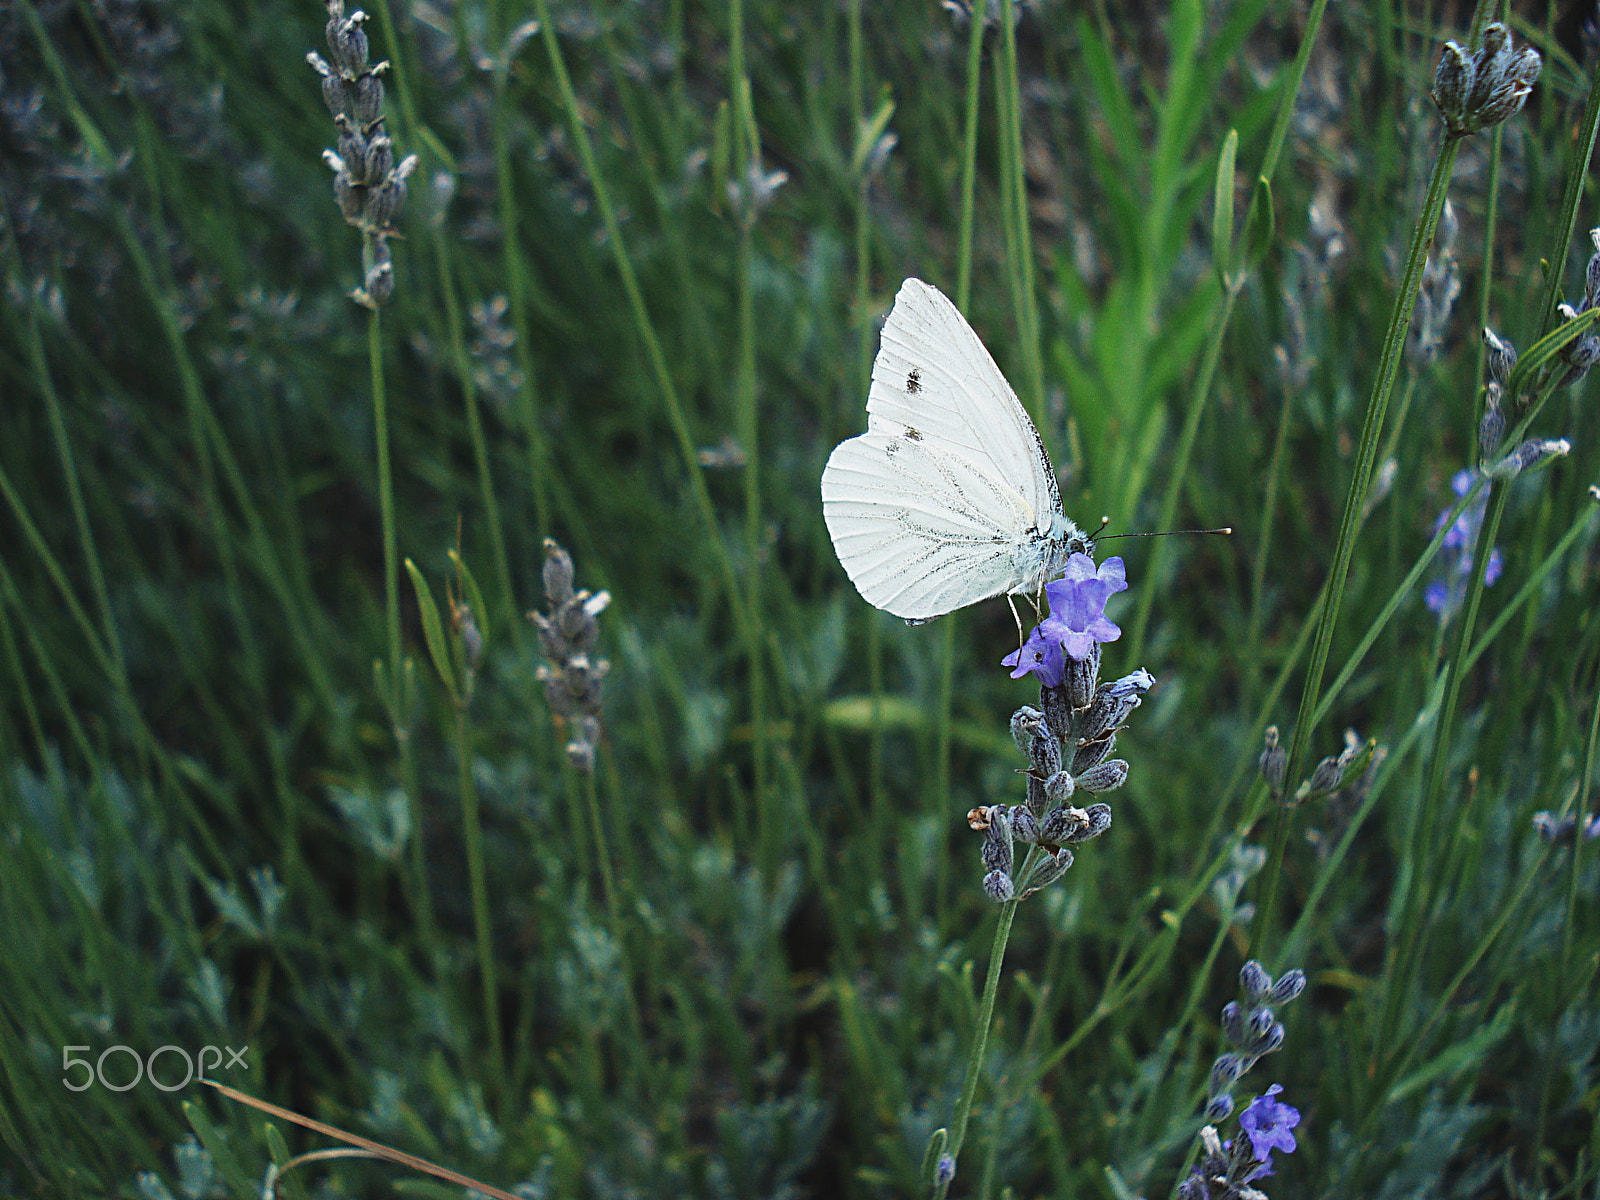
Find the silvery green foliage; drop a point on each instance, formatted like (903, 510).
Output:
(1068, 741)
(1479, 90)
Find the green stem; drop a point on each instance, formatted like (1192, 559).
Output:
(1371, 431)
(472, 835)
(980, 1039)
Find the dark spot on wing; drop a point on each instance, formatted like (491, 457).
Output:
(914, 381)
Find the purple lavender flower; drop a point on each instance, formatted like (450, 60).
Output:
(1269, 1124)
(1078, 604)
(1444, 595)
(1040, 654)
(1077, 620)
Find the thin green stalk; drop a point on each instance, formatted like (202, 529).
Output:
(1349, 525)
(1428, 851)
(747, 155)
(516, 276)
(480, 446)
(980, 1039)
(1014, 193)
(472, 835)
(391, 563)
(1202, 391)
(646, 330)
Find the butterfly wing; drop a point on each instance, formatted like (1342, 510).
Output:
(949, 497)
(933, 374)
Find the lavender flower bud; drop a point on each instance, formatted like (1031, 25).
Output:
(944, 1170)
(1058, 706)
(1106, 777)
(348, 43)
(367, 101)
(1081, 674)
(1047, 870)
(1580, 356)
(1255, 981)
(1099, 821)
(1532, 451)
(1059, 787)
(1452, 79)
(1224, 1073)
(1113, 702)
(1025, 723)
(1219, 1106)
(1044, 753)
(1553, 829)
(379, 159)
(1092, 754)
(998, 887)
(997, 855)
(1290, 984)
(1233, 1023)
(349, 195)
(1502, 356)
(378, 286)
(1038, 799)
(1492, 426)
(1259, 1023)
(1274, 761)
(1063, 825)
(1269, 1042)
(1024, 826)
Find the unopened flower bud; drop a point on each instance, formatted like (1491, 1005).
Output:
(1267, 1042)
(1233, 1022)
(1025, 723)
(1092, 754)
(1081, 676)
(1099, 821)
(1106, 777)
(1063, 825)
(997, 854)
(1289, 985)
(1255, 981)
(1532, 451)
(1492, 426)
(998, 887)
(1024, 826)
(1224, 1073)
(1059, 787)
(367, 100)
(1219, 1106)
(1452, 79)
(1502, 356)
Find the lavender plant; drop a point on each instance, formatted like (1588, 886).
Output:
(1227, 1169)
(369, 186)
(1068, 740)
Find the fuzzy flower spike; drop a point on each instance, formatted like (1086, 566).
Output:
(1067, 740)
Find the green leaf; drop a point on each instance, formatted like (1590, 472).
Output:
(870, 131)
(1260, 223)
(1547, 348)
(1222, 209)
(474, 597)
(433, 631)
(930, 1156)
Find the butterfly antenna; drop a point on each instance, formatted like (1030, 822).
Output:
(1224, 531)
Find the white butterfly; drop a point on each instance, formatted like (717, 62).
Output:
(949, 497)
